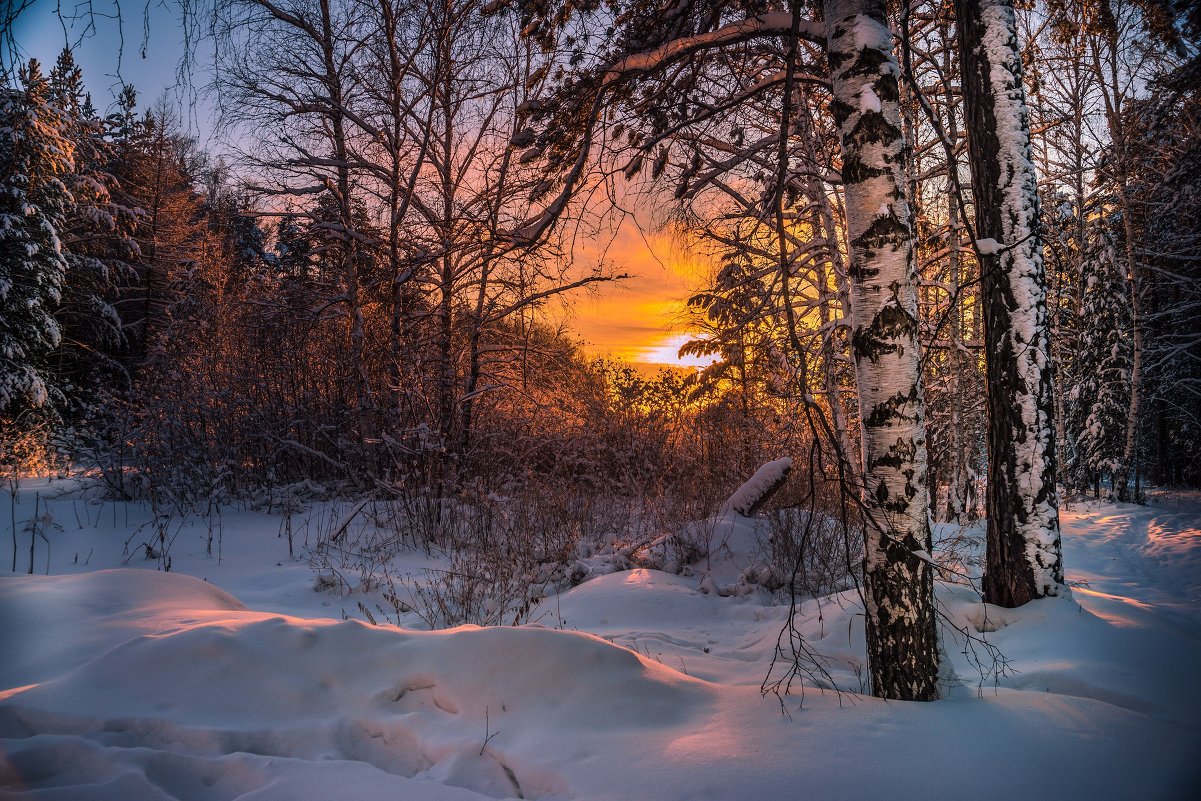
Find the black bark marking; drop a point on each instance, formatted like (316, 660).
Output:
(855, 171)
(892, 323)
(873, 127)
(884, 231)
(859, 271)
(887, 411)
(888, 89)
(841, 112)
(867, 62)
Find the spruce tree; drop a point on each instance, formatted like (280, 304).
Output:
(36, 158)
(1100, 395)
(96, 243)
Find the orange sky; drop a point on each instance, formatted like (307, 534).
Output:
(640, 319)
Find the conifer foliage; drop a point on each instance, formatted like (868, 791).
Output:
(37, 157)
(1100, 393)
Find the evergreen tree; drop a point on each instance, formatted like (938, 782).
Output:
(96, 243)
(36, 158)
(156, 168)
(1101, 392)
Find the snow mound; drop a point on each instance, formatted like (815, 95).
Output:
(92, 612)
(187, 701)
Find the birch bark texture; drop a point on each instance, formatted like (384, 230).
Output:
(898, 578)
(1024, 559)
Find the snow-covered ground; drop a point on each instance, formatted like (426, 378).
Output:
(236, 678)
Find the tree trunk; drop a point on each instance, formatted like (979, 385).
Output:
(898, 582)
(1024, 561)
(349, 253)
(825, 225)
(959, 493)
(1129, 457)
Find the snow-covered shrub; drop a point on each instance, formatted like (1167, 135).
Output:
(505, 552)
(812, 551)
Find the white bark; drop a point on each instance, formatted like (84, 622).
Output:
(902, 644)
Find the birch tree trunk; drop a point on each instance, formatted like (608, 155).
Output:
(1024, 559)
(898, 582)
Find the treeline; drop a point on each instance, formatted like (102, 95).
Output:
(189, 342)
(361, 296)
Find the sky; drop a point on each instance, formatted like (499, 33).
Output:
(638, 320)
(143, 48)
(641, 319)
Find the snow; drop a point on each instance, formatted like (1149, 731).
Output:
(236, 679)
(766, 480)
(988, 246)
(868, 101)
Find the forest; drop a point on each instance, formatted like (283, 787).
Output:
(947, 447)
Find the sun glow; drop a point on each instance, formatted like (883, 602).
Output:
(667, 352)
(642, 319)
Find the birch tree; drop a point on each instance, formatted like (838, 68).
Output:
(898, 581)
(1024, 559)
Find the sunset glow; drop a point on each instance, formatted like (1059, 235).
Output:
(667, 352)
(644, 318)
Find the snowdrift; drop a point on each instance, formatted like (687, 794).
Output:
(132, 684)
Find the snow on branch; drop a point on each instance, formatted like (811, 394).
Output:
(751, 496)
(773, 23)
(988, 246)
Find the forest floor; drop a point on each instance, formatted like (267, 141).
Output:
(237, 678)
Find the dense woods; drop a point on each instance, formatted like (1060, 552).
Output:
(956, 249)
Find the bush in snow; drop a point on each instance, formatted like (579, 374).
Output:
(811, 553)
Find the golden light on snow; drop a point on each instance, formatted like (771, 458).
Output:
(1113, 613)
